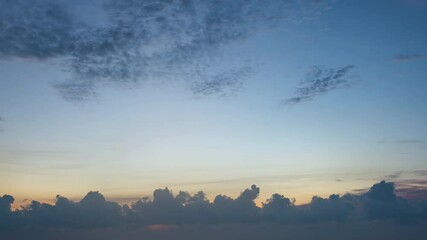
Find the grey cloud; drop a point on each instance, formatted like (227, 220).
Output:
(395, 175)
(35, 29)
(321, 80)
(7, 218)
(413, 189)
(241, 209)
(222, 83)
(279, 209)
(380, 203)
(404, 141)
(334, 208)
(143, 40)
(420, 172)
(410, 57)
(5, 203)
(76, 91)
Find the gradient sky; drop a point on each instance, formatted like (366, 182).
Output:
(254, 114)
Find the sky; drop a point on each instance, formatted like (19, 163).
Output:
(303, 98)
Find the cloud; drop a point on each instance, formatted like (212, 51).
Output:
(420, 172)
(395, 175)
(144, 40)
(410, 57)
(6, 215)
(5, 204)
(279, 209)
(35, 29)
(321, 80)
(1, 120)
(405, 141)
(413, 189)
(334, 208)
(379, 203)
(223, 83)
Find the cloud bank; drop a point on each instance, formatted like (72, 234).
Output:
(321, 80)
(375, 214)
(379, 203)
(143, 40)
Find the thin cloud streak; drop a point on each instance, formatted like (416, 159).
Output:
(321, 80)
(410, 57)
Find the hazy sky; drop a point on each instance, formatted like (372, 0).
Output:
(299, 97)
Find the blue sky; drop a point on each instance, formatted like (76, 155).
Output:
(218, 116)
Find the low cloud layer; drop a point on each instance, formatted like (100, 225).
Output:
(379, 203)
(143, 40)
(321, 80)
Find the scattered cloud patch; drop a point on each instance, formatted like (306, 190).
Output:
(144, 40)
(321, 80)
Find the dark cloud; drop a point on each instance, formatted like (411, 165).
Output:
(410, 57)
(334, 208)
(5, 204)
(321, 80)
(279, 209)
(379, 203)
(143, 40)
(35, 29)
(7, 218)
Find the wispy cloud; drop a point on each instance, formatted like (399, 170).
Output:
(420, 172)
(395, 175)
(410, 57)
(321, 80)
(408, 142)
(144, 40)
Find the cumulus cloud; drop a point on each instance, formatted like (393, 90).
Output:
(5, 203)
(321, 80)
(143, 40)
(379, 203)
